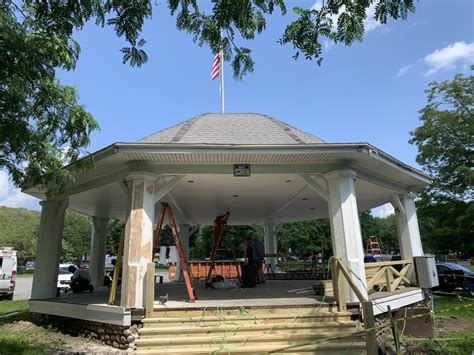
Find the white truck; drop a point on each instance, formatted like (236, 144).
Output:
(8, 266)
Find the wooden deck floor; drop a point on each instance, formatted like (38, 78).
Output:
(271, 293)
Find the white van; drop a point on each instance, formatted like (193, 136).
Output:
(8, 264)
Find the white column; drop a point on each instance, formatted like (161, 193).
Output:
(270, 244)
(408, 231)
(98, 246)
(345, 227)
(138, 242)
(184, 237)
(48, 251)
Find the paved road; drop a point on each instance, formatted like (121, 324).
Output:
(23, 288)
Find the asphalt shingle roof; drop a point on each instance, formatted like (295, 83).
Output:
(232, 128)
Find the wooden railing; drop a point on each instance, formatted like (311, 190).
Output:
(149, 289)
(339, 275)
(384, 276)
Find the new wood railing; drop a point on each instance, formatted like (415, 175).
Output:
(149, 289)
(387, 275)
(339, 275)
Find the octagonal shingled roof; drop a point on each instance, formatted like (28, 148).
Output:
(232, 128)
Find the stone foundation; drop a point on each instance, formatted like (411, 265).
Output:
(119, 337)
(384, 331)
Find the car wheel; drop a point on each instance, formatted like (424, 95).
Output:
(9, 297)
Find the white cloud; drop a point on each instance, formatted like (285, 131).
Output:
(370, 23)
(449, 57)
(11, 196)
(404, 70)
(383, 211)
(328, 45)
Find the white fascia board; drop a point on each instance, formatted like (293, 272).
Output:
(395, 163)
(397, 300)
(101, 313)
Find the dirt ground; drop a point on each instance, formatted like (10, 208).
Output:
(449, 324)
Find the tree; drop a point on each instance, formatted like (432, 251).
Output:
(234, 237)
(76, 236)
(445, 151)
(305, 238)
(383, 228)
(19, 230)
(42, 125)
(445, 138)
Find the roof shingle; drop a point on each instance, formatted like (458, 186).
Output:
(232, 128)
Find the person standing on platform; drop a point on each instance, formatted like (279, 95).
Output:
(259, 258)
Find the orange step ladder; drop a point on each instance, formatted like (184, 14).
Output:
(166, 211)
(373, 247)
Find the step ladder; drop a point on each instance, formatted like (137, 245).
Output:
(373, 247)
(167, 212)
(220, 224)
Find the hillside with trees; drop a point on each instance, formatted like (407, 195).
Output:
(19, 229)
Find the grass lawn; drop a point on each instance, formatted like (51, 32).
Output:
(19, 336)
(454, 328)
(24, 275)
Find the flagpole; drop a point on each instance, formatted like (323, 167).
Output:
(222, 79)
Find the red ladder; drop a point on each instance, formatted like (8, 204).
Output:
(374, 247)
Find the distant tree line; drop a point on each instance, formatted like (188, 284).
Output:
(301, 239)
(19, 229)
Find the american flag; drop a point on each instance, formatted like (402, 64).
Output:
(215, 66)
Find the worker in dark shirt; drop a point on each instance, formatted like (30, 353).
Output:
(369, 259)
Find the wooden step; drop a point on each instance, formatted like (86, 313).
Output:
(353, 347)
(211, 342)
(234, 310)
(277, 328)
(270, 318)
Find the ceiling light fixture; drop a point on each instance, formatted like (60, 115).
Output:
(235, 195)
(305, 199)
(191, 181)
(287, 180)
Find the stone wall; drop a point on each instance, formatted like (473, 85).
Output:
(384, 331)
(119, 337)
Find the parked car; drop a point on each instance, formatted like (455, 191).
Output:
(454, 277)
(64, 278)
(30, 266)
(8, 268)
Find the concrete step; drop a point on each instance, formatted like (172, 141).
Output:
(332, 348)
(248, 319)
(234, 328)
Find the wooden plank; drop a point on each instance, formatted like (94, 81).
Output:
(387, 263)
(369, 323)
(337, 285)
(397, 281)
(388, 279)
(373, 281)
(351, 282)
(150, 289)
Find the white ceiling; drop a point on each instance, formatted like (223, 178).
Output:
(260, 198)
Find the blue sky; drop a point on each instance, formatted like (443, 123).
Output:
(368, 92)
